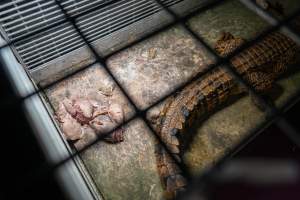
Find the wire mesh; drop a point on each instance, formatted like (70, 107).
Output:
(274, 113)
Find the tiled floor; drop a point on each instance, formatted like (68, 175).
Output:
(151, 69)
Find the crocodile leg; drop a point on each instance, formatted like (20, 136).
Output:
(262, 83)
(281, 66)
(227, 43)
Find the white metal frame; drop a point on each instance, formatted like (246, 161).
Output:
(70, 174)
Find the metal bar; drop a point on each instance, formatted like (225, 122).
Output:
(31, 18)
(17, 14)
(82, 7)
(73, 44)
(114, 17)
(20, 33)
(129, 19)
(46, 45)
(10, 4)
(105, 15)
(40, 41)
(93, 37)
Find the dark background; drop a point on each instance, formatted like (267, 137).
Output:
(22, 160)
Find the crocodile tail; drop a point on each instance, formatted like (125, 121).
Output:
(170, 174)
(176, 115)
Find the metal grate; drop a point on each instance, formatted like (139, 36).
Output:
(70, 19)
(19, 18)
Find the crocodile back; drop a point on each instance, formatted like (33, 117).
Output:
(273, 48)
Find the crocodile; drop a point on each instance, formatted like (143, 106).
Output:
(260, 65)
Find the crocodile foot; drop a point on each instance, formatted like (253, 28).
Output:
(227, 44)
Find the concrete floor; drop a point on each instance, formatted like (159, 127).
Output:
(151, 69)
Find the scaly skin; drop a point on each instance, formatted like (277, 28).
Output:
(260, 65)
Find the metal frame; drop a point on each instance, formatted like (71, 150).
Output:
(46, 131)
